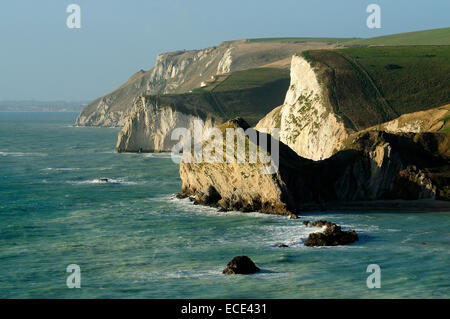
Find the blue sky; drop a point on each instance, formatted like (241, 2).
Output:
(40, 58)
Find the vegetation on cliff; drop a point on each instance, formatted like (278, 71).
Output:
(369, 86)
(250, 94)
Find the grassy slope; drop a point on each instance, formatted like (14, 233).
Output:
(427, 37)
(303, 40)
(368, 86)
(409, 78)
(250, 94)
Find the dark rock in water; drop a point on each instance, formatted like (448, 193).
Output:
(283, 246)
(105, 180)
(317, 223)
(332, 236)
(241, 265)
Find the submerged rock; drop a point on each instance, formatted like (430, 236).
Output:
(331, 236)
(283, 246)
(241, 265)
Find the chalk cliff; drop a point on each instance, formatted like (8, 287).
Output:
(182, 71)
(149, 127)
(332, 97)
(307, 124)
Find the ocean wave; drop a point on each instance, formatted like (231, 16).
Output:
(179, 274)
(60, 169)
(21, 154)
(161, 155)
(104, 181)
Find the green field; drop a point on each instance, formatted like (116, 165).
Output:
(304, 39)
(249, 94)
(253, 78)
(427, 37)
(368, 86)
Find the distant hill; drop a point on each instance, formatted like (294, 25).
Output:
(183, 71)
(41, 106)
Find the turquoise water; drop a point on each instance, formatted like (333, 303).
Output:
(133, 239)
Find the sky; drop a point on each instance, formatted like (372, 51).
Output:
(42, 59)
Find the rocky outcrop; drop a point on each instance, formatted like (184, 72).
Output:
(241, 186)
(182, 71)
(241, 265)
(372, 166)
(149, 127)
(432, 120)
(333, 235)
(307, 124)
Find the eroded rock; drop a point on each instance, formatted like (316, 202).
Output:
(333, 235)
(241, 265)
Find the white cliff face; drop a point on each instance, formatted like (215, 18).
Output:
(149, 127)
(182, 71)
(174, 72)
(225, 63)
(307, 125)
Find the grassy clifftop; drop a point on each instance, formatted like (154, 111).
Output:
(426, 37)
(368, 86)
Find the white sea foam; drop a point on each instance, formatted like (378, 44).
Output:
(100, 181)
(160, 155)
(186, 205)
(21, 154)
(180, 274)
(60, 169)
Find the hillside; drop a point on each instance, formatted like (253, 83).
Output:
(335, 93)
(250, 94)
(426, 37)
(182, 71)
(368, 86)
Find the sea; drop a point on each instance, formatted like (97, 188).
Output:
(131, 237)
